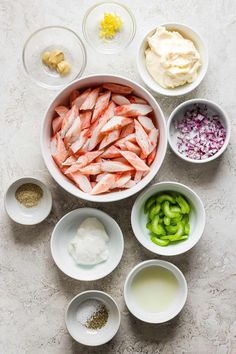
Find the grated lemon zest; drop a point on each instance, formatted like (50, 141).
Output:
(110, 25)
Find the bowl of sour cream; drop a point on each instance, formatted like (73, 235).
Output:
(87, 244)
(155, 291)
(172, 59)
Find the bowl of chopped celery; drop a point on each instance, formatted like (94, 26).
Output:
(168, 218)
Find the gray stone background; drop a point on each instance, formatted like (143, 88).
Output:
(33, 292)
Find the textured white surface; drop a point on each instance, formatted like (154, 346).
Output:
(33, 292)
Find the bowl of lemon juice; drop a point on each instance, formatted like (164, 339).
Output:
(155, 291)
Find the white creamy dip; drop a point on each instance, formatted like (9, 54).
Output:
(90, 244)
(171, 59)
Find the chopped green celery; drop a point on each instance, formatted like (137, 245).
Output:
(171, 229)
(166, 220)
(183, 204)
(149, 203)
(154, 210)
(165, 197)
(166, 210)
(158, 241)
(157, 228)
(175, 221)
(177, 235)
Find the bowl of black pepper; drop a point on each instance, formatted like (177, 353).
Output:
(92, 318)
(28, 201)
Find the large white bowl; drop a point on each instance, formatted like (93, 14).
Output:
(174, 308)
(197, 219)
(187, 32)
(62, 97)
(66, 229)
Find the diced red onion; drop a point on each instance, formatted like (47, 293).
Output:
(200, 135)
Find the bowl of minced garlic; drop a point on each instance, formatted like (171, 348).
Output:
(28, 201)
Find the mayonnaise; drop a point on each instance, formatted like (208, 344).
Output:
(171, 59)
(90, 244)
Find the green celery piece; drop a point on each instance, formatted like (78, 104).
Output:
(176, 209)
(158, 241)
(171, 229)
(157, 228)
(166, 210)
(183, 204)
(165, 197)
(175, 221)
(177, 235)
(149, 203)
(187, 228)
(166, 220)
(154, 210)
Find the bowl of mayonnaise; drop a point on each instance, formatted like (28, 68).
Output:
(172, 59)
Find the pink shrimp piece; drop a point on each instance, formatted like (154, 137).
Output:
(92, 169)
(105, 183)
(74, 94)
(84, 160)
(120, 99)
(152, 156)
(101, 105)
(121, 180)
(115, 122)
(129, 184)
(82, 181)
(69, 161)
(110, 138)
(116, 88)
(80, 142)
(132, 147)
(138, 176)
(135, 161)
(81, 98)
(121, 142)
(111, 152)
(85, 119)
(133, 110)
(115, 166)
(127, 130)
(68, 120)
(146, 123)
(135, 99)
(56, 124)
(153, 137)
(90, 101)
(74, 132)
(58, 150)
(61, 110)
(142, 139)
(100, 176)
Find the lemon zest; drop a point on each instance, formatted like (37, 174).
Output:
(110, 25)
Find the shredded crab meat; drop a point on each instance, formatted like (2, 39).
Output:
(200, 134)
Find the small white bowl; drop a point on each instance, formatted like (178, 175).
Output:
(178, 114)
(87, 336)
(156, 317)
(197, 219)
(65, 230)
(27, 216)
(188, 33)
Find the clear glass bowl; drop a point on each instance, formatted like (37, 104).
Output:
(48, 39)
(91, 27)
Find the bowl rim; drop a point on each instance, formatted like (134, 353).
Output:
(93, 292)
(134, 27)
(40, 83)
(206, 102)
(88, 209)
(169, 92)
(137, 232)
(105, 198)
(35, 181)
(163, 264)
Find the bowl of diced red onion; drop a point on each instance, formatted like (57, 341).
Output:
(103, 138)
(198, 130)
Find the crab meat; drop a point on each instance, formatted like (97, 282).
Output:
(109, 138)
(58, 150)
(135, 99)
(132, 147)
(129, 184)
(116, 88)
(61, 110)
(146, 123)
(84, 160)
(142, 139)
(115, 122)
(121, 143)
(81, 98)
(100, 176)
(127, 130)
(69, 161)
(92, 169)
(133, 110)
(79, 143)
(85, 118)
(122, 180)
(104, 184)
(74, 132)
(91, 99)
(135, 161)
(82, 181)
(115, 166)
(111, 152)
(68, 120)
(120, 99)
(152, 156)
(74, 94)
(56, 124)
(101, 105)
(138, 176)
(153, 138)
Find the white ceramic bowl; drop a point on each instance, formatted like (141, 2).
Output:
(65, 230)
(172, 310)
(27, 216)
(178, 114)
(188, 33)
(92, 337)
(197, 219)
(46, 134)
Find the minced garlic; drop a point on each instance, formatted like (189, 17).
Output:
(55, 60)
(110, 25)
